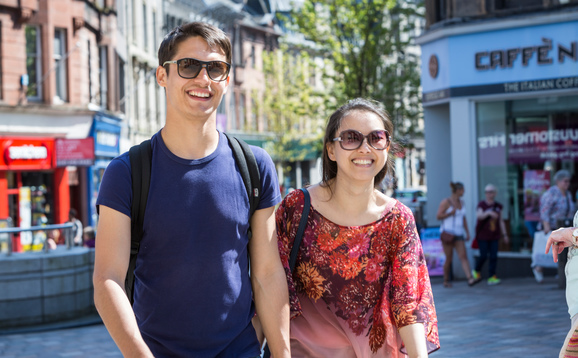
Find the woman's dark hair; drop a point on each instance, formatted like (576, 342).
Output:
(329, 167)
(214, 36)
(456, 186)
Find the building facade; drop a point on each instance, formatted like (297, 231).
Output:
(500, 97)
(59, 78)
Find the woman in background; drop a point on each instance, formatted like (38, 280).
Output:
(452, 214)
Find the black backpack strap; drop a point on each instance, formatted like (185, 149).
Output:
(249, 170)
(140, 167)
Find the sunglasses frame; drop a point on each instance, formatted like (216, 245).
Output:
(365, 137)
(204, 65)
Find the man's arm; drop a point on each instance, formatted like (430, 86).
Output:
(112, 252)
(269, 282)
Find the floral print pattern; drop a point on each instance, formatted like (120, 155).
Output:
(374, 277)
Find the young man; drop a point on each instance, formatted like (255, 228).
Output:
(490, 228)
(193, 296)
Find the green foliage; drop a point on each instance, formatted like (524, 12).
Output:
(292, 106)
(367, 42)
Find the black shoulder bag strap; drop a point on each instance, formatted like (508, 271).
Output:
(300, 230)
(249, 170)
(296, 244)
(140, 167)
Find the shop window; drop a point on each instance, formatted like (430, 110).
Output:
(521, 145)
(33, 62)
(60, 67)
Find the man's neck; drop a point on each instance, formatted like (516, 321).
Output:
(191, 139)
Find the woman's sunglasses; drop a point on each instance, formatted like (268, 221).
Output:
(351, 139)
(191, 67)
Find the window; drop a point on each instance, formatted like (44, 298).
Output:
(103, 75)
(145, 28)
(90, 94)
(521, 144)
(60, 68)
(33, 62)
(154, 31)
(121, 89)
(253, 60)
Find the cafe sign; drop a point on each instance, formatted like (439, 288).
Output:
(544, 54)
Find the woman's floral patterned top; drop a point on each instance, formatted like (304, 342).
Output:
(360, 282)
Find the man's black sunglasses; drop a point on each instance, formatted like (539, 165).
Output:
(191, 67)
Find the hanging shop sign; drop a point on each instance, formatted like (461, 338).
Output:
(24, 153)
(76, 152)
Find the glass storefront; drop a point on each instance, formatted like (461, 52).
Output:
(521, 145)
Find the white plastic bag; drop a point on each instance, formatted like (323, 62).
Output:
(539, 258)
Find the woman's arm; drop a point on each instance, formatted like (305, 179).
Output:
(444, 205)
(413, 337)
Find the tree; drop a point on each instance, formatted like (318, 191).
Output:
(293, 104)
(369, 44)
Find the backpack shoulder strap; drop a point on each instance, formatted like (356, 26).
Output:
(247, 164)
(140, 167)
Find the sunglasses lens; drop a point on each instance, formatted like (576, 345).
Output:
(189, 67)
(378, 139)
(351, 139)
(217, 70)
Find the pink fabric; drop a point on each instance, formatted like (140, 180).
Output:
(364, 281)
(318, 333)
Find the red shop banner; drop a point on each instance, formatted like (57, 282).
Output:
(76, 152)
(26, 153)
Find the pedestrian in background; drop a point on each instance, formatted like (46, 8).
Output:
(560, 240)
(360, 285)
(193, 295)
(556, 207)
(76, 230)
(490, 228)
(452, 213)
(88, 237)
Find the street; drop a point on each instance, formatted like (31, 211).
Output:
(517, 318)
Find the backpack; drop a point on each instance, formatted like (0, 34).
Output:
(140, 162)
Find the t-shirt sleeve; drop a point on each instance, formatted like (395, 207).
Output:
(270, 193)
(116, 187)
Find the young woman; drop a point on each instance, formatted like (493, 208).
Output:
(360, 287)
(452, 214)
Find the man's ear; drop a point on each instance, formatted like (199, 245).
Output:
(162, 76)
(227, 84)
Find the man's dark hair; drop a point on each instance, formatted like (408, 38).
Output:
(214, 36)
(329, 167)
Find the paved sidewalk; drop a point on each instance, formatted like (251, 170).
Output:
(516, 319)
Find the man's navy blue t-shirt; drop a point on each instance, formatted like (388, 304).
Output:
(193, 296)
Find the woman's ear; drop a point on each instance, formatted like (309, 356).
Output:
(331, 151)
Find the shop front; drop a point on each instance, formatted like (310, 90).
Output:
(501, 106)
(106, 131)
